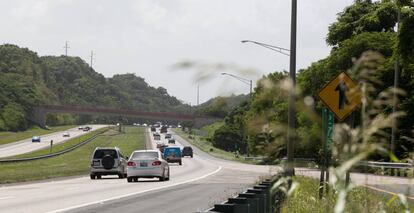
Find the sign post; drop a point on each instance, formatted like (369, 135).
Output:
(341, 96)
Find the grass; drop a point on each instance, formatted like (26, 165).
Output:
(61, 146)
(360, 199)
(207, 147)
(9, 137)
(73, 163)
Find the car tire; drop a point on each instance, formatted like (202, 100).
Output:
(162, 178)
(191, 156)
(129, 179)
(121, 176)
(108, 162)
(99, 176)
(136, 179)
(168, 178)
(181, 163)
(93, 177)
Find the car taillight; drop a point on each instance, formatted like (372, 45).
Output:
(156, 163)
(130, 163)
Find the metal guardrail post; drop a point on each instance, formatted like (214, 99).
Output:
(254, 207)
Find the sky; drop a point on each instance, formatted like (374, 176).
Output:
(148, 37)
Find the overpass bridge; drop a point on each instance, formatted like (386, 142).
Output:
(40, 112)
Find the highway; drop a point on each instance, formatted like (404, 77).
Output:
(196, 185)
(26, 145)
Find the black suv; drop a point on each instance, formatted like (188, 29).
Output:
(108, 161)
(187, 151)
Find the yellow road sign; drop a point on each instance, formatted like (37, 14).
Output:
(341, 95)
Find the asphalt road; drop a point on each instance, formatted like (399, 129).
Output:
(26, 145)
(196, 185)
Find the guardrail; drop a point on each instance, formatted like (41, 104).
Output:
(56, 153)
(258, 199)
(389, 167)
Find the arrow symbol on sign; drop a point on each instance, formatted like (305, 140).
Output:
(342, 88)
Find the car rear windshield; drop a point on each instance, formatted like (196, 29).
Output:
(100, 153)
(145, 155)
(187, 149)
(171, 151)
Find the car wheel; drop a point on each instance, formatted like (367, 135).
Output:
(168, 178)
(99, 176)
(136, 179)
(129, 179)
(93, 177)
(191, 156)
(121, 175)
(181, 163)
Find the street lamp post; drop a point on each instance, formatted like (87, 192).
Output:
(244, 80)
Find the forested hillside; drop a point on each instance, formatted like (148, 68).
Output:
(363, 26)
(27, 80)
(220, 106)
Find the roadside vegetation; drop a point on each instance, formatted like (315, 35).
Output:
(73, 163)
(206, 146)
(360, 199)
(9, 137)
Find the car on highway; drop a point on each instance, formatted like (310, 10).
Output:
(80, 128)
(108, 161)
(164, 129)
(147, 164)
(157, 136)
(171, 140)
(187, 151)
(172, 154)
(66, 134)
(36, 139)
(162, 147)
(168, 135)
(86, 128)
(153, 129)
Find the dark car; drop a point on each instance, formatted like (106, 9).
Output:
(162, 147)
(164, 129)
(153, 129)
(187, 151)
(171, 140)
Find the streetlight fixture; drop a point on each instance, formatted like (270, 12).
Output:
(280, 50)
(290, 170)
(244, 80)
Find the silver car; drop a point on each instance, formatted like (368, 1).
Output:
(108, 161)
(147, 164)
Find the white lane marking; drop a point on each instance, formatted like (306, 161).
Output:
(134, 193)
(8, 197)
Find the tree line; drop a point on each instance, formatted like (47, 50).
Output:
(259, 126)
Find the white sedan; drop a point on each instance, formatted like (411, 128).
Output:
(147, 164)
(66, 134)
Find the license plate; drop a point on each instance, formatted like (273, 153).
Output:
(143, 164)
(96, 163)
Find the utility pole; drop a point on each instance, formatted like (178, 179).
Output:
(198, 94)
(66, 47)
(291, 109)
(396, 78)
(91, 58)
